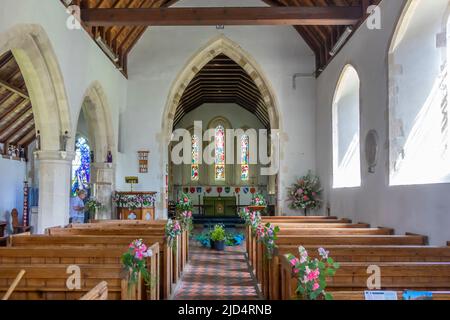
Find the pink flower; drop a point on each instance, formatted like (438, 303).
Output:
(305, 198)
(300, 191)
(314, 194)
(294, 261)
(315, 286)
(313, 275)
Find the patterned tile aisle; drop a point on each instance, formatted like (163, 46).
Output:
(214, 275)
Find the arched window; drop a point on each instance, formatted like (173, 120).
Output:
(219, 153)
(346, 151)
(418, 89)
(81, 166)
(196, 154)
(244, 158)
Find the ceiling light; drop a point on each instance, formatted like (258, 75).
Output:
(348, 31)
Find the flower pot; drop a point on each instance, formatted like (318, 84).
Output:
(219, 245)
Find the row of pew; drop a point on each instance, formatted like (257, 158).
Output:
(406, 261)
(94, 250)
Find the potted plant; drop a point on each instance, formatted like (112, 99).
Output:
(218, 237)
(92, 206)
(305, 194)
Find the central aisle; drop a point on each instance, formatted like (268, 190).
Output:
(214, 275)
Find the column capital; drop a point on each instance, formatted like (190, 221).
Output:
(54, 155)
(103, 165)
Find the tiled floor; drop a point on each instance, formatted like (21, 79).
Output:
(214, 275)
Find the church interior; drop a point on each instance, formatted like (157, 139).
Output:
(224, 150)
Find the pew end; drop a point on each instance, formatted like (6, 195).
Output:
(99, 292)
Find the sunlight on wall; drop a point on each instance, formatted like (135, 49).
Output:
(419, 136)
(346, 146)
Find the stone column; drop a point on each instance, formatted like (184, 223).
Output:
(102, 179)
(54, 188)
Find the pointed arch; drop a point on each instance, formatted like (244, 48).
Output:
(36, 58)
(98, 115)
(218, 45)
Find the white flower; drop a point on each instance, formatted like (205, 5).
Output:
(148, 254)
(323, 253)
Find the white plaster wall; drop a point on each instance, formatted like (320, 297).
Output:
(12, 176)
(421, 209)
(162, 53)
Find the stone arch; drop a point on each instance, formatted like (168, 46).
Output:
(39, 66)
(218, 45)
(98, 115)
(97, 112)
(37, 60)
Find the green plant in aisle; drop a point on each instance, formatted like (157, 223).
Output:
(218, 234)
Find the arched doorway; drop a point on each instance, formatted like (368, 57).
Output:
(38, 64)
(95, 124)
(220, 48)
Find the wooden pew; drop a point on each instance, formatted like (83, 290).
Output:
(256, 255)
(104, 242)
(125, 227)
(368, 253)
(99, 292)
(83, 256)
(48, 281)
(394, 276)
(359, 295)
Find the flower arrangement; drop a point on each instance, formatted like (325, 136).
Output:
(134, 260)
(134, 201)
(184, 212)
(251, 218)
(305, 193)
(258, 200)
(92, 204)
(267, 234)
(172, 230)
(312, 273)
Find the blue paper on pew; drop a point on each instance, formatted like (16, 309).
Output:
(417, 295)
(380, 295)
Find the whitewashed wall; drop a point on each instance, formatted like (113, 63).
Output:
(162, 53)
(421, 209)
(12, 176)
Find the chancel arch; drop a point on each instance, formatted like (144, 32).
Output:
(222, 73)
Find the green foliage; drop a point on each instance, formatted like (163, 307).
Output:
(218, 234)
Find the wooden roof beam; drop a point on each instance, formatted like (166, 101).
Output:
(13, 89)
(222, 16)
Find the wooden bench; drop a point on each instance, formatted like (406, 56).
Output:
(125, 227)
(78, 256)
(99, 292)
(103, 242)
(375, 254)
(359, 295)
(48, 281)
(394, 276)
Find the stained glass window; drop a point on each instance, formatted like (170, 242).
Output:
(195, 158)
(220, 153)
(81, 166)
(244, 158)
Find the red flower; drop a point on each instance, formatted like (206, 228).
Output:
(305, 198)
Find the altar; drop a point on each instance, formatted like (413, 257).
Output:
(219, 206)
(135, 205)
